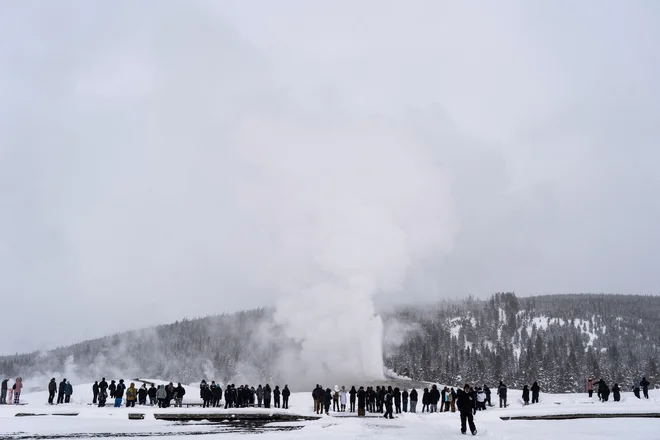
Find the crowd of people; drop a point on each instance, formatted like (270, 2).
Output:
(244, 396)
(390, 401)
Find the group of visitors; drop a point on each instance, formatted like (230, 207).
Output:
(246, 395)
(14, 392)
(603, 390)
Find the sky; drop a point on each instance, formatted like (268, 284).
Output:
(166, 159)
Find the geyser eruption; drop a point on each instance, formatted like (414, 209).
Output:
(351, 209)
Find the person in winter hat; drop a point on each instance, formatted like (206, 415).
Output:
(501, 391)
(335, 399)
(590, 386)
(285, 397)
(60, 391)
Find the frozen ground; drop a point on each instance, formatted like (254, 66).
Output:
(93, 422)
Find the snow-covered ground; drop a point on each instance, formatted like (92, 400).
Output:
(113, 422)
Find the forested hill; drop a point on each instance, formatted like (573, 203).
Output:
(558, 340)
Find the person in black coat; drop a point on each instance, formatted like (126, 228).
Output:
(536, 389)
(434, 396)
(151, 392)
(616, 392)
(52, 389)
(327, 400)
(425, 400)
(95, 391)
(268, 394)
(645, 387)
(352, 394)
(285, 397)
(404, 398)
(413, 401)
(465, 407)
(60, 392)
(112, 389)
(142, 395)
(525, 394)
(604, 390)
(396, 394)
(103, 385)
(362, 401)
(276, 396)
(501, 391)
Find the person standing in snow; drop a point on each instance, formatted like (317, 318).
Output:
(3, 391)
(131, 396)
(52, 389)
(268, 394)
(335, 399)
(525, 395)
(119, 393)
(68, 391)
(327, 398)
(342, 398)
(103, 385)
(434, 396)
(276, 396)
(153, 400)
(413, 401)
(161, 395)
(18, 386)
(453, 400)
(207, 397)
(397, 400)
(487, 391)
(352, 393)
(425, 400)
(590, 386)
(404, 399)
(616, 392)
(465, 406)
(103, 395)
(645, 387)
(362, 401)
(285, 397)
(180, 391)
(501, 391)
(95, 391)
(388, 404)
(112, 389)
(260, 395)
(604, 390)
(60, 391)
(536, 389)
(142, 394)
(481, 399)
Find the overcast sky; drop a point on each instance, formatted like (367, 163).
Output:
(142, 144)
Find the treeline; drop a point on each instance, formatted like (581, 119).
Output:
(557, 340)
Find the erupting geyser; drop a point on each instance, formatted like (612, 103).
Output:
(350, 209)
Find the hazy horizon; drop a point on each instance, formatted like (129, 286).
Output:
(170, 159)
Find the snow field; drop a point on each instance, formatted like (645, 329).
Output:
(93, 420)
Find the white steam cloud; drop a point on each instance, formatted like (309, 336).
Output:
(354, 207)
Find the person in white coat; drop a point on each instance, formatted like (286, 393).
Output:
(342, 398)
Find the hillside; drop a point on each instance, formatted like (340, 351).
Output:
(557, 340)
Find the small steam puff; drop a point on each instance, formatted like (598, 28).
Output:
(351, 209)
